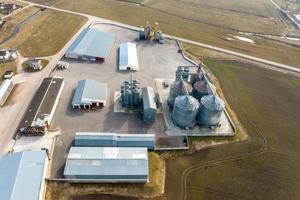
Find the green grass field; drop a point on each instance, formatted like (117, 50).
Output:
(45, 34)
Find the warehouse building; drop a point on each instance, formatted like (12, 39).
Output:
(149, 104)
(91, 45)
(86, 139)
(5, 89)
(90, 94)
(107, 164)
(40, 112)
(128, 59)
(22, 175)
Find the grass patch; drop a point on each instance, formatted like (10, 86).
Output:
(13, 20)
(25, 65)
(5, 66)
(155, 187)
(45, 34)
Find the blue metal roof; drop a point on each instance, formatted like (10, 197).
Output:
(107, 163)
(89, 90)
(92, 42)
(21, 175)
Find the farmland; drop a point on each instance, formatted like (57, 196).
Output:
(268, 162)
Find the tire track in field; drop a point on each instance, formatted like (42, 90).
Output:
(263, 149)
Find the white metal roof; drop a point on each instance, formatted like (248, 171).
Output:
(4, 87)
(128, 57)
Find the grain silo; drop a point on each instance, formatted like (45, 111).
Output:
(210, 110)
(178, 88)
(185, 111)
(130, 93)
(200, 89)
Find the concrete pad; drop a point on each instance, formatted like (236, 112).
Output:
(226, 127)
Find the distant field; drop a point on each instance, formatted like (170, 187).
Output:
(293, 5)
(231, 15)
(46, 33)
(190, 29)
(263, 168)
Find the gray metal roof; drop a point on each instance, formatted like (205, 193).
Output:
(92, 42)
(106, 161)
(212, 102)
(21, 175)
(115, 136)
(89, 90)
(148, 98)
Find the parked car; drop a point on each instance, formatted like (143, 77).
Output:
(8, 74)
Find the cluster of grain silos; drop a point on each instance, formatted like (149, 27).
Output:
(130, 94)
(185, 111)
(194, 100)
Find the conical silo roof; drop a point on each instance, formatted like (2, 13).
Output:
(212, 102)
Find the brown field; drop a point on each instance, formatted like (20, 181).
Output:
(46, 33)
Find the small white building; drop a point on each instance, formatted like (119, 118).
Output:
(35, 64)
(4, 54)
(128, 57)
(5, 89)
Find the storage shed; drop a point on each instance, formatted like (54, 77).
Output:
(5, 89)
(87, 139)
(39, 114)
(149, 104)
(128, 57)
(90, 94)
(91, 45)
(22, 175)
(107, 164)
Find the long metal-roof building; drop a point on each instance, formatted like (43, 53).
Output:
(149, 104)
(87, 139)
(39, 113)
(91, 45)
(128, 59)
(89, 94)
(5, 89)
(22, 175)
(107, 164)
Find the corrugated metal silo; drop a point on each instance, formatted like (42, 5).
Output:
(185, 111)
(177, 89)
(136, 97)
(200, 89)
(210, 110)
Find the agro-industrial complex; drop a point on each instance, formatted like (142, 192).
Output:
(109, 105)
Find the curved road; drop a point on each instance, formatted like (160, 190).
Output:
(18, 26)
(272, 64)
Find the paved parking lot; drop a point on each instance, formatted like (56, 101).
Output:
(156, 61)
